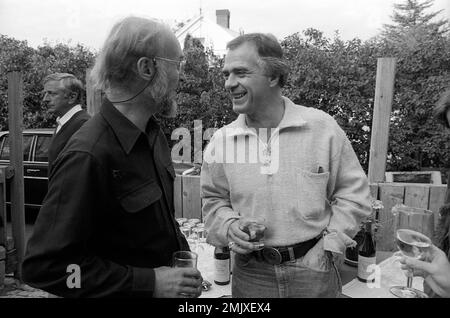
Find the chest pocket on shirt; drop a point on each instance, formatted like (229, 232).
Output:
(140, 197)
(312, 193)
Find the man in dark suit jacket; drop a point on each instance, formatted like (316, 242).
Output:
(62, 93)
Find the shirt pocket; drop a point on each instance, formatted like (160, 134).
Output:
(140, 197)
(312, 193)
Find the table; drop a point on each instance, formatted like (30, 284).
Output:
(348, 272)
(205, 265)
(390, 275)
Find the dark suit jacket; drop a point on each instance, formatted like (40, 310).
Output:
(62, 137)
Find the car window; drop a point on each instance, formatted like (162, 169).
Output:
(42, 145)
(5, 152)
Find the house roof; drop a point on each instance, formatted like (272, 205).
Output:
(214, 36)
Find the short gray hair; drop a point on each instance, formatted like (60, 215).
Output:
(129, 40)
(270, 52)
(69, 82)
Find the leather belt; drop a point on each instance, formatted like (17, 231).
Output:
(281, 254)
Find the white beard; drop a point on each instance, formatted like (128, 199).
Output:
(168, 108)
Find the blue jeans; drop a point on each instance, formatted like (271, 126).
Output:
(312, 276)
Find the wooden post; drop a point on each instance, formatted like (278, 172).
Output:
(3, 231)
(384, 92)
(390, 194)
(437, 199)
(178, 196)
(2, 266)
(93, 95)
(15, 120)
(192, 206)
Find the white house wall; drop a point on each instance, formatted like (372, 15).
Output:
(216, 37)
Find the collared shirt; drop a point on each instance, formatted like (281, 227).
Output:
(65, 118)
(305, 180)
(109, 209)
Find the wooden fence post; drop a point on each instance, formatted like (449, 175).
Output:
(93, 95)
(178, 196)
(2, 266)
(437, 199)
(192, 205)
(15, 120)
(384, 92)
(390, 194)
(3, 222)
(3, 230)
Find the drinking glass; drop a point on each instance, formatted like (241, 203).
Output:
(186, 231)
(193, 221)
(414, 227)
(197, 238)
(255, 227)
(184, 259)
(181, 221)
(189, 234)
(202, 232)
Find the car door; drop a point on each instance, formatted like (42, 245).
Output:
(37, 170)
(28, 140)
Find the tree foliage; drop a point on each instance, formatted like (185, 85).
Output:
(411, 18)
(422, 49)
(337, 77)
(35, 64)
(331, 74)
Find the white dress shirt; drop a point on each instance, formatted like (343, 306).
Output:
(65, 118)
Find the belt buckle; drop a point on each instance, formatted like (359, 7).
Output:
(272, 256)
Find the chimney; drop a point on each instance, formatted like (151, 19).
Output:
(223, 18)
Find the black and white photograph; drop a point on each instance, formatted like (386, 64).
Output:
(224, 154)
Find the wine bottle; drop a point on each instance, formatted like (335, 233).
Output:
(366, 256)
(222, 265)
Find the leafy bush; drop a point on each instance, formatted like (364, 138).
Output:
(35, 64)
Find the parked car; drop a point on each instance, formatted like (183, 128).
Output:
(35, 164)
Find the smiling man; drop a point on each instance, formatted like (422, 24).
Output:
(62, 94)
(109, 214)
(312, 199)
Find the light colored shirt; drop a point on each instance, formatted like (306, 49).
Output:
(305, 180)
(66, 117)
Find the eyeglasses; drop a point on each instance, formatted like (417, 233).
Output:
(180, 63)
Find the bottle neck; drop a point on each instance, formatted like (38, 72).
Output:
(368, 227)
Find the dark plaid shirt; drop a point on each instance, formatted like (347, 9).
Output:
(109, 209)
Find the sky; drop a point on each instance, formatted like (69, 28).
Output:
(88, 21)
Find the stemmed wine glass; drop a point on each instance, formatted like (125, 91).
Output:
(411, 226)
(198, 236)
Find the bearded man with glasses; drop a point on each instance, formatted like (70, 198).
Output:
(109, 212)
